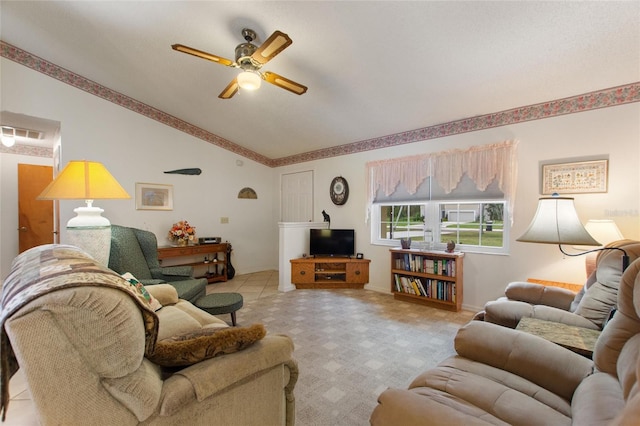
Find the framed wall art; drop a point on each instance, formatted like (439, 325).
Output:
(578, 177)
(154, 196)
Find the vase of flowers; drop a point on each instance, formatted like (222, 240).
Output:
(181, 233)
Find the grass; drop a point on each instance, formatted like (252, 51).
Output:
(491, 238)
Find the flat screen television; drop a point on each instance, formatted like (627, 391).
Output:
(332, 242)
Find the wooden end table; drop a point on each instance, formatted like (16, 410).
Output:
(577, 339)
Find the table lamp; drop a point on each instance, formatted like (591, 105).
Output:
(87, 180)
(604, 231)
(556, 222)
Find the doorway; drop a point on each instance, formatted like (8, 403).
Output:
(296, 194)
(35, 217)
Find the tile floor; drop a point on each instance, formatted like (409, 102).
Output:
(251, 286)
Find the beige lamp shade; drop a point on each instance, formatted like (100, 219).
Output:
(604, 231)
(87, 180)
(84, 180)
(556, 222)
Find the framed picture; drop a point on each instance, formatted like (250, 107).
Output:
(575, 178)
(154, 196)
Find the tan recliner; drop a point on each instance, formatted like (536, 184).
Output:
(81, 346)
(590, 308)
(503, 376)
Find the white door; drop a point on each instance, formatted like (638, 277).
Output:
(296, 195)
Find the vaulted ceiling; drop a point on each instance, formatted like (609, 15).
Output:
(373, 68)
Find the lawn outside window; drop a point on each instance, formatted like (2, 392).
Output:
(475, 226)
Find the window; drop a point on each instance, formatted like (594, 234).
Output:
(475, 226)
(401, 220)
(464, 195)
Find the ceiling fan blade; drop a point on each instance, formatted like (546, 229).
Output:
(230, 90)
(276, 43)
(284, 83)
(200, 54)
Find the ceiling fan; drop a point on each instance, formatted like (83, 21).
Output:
(250, 58)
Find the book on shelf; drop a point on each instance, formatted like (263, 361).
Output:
(414, 285)
(425, 287)
(423, 264)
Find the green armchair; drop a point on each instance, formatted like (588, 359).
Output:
(136, 251)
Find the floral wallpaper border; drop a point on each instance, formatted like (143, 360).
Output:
(605, 98)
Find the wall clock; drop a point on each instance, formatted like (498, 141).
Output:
(339, 190)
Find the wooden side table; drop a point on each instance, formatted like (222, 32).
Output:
(569, 286)
(215, 255)
(577, 339)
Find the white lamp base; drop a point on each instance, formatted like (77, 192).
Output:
(91, 232)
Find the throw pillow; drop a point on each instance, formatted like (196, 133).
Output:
(190, 348)
(142, 292)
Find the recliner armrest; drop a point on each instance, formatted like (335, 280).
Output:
(166, 294)
(508, 313)
(172, 273)
(539, 294)
(531, 357)
(211, 376)
(179, 271)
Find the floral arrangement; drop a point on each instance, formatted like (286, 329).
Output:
(182, 232)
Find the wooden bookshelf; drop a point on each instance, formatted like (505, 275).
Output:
(432, 278)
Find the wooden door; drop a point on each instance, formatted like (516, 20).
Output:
(35, 217)
(296, 196)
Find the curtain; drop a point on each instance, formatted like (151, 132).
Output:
(483, 164)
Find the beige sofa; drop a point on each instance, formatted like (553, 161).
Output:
(83, 342)
(503, 376)
(589, 308)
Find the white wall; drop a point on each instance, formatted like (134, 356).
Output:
(137, 149)
(613, 131)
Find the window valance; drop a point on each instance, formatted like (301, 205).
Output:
(482, 164)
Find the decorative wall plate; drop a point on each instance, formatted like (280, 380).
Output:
(339, 190)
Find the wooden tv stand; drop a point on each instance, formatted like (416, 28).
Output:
(329, 272)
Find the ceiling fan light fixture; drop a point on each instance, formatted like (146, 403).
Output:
(249, 80)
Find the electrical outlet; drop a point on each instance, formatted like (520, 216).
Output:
(224, 220)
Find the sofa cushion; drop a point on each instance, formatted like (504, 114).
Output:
(193, 347)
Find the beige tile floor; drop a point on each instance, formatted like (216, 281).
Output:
(252, 286)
